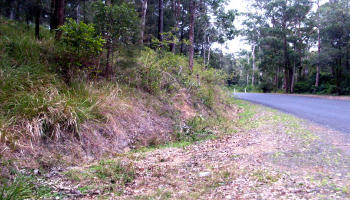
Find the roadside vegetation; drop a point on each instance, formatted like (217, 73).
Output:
(56, 107)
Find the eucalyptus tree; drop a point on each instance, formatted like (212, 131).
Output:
(276, 24)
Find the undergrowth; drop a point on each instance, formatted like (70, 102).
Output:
(38, 104)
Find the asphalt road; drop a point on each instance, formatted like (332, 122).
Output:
(334, 114)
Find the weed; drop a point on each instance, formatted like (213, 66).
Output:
(263, 176)
(114, 171)
(20, 188)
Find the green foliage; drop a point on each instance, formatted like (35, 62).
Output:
(116, 22)
(197, 128)
(207, 96)
(20, 188)
(80, 40)
(160, 71)
(114, 171)
(78, 49)
(32, 94)
(168, 39)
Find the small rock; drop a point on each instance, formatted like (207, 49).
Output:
(36, 171)
(204, 174)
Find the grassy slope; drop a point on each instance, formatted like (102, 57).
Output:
(44, 122)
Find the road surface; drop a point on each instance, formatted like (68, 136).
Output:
(334, 114)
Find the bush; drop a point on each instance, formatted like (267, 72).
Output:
(303, 87)
(196, 130)
(79, 46)
(266, 87)
(32, 96)
(80, 40)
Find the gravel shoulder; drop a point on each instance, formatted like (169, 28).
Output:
(270, 155)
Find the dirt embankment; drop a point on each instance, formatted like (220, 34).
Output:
(130, 120)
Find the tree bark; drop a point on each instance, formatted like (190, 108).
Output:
(208, 63)
(37, 21)
(191, 34)
(60, 17)
(293, 79)
(108, 70)
(319, 52)
(144, 5)
(53, 15)
(253, 63)
(276, 77)
(160, 20)
(175, 5)
(286, 64)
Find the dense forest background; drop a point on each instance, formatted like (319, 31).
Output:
(294, 48)
(298, 46)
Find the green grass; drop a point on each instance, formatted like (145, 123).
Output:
(31, 90)
(114, 171)
(25, 187)
(247, 113)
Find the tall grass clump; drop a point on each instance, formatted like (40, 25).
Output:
(34, 100)
(20, 188)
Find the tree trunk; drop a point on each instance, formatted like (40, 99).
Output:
(77, 12)
(108, 70)
(276, 77)
(253, 57)
(144, 5)
(53, 15)
(60, 17)
(37, 22)
(182, 35)
(286, 64)
(317, 83)
(293, 79)
(176, 23)
(84, 11)
(191, 34)
(160, 20)
(208, 63)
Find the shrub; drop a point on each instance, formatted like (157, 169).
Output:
(80, 39)
(266, 87)
(79, 46)
(196, 129)
(303, 87)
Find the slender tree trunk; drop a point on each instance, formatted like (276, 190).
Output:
(53, 15)
(318, 51)
(77, 11)
(176, 25)
(208, 63)
(84, 11)
(293, 79)
(160, 20)
(191, 34)
(144, 5)
(253, 63)
(276, 77)
(286, 64)
(37, 22)
(18, 7)
(60, 17)
(204, 55)
(108, 70)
